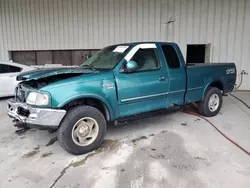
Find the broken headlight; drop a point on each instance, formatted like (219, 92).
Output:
(38, 99)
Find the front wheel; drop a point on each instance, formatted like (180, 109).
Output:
(211, 104)
(82, 130)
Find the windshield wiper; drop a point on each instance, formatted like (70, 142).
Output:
(89, 67)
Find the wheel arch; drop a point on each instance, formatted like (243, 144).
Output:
(91, 100)
(217, 84)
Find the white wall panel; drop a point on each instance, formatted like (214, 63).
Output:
(88, 24)
(245, 61)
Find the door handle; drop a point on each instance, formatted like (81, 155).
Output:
(162, 78)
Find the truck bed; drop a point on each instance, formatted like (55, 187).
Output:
(208, 64)
(200, 76)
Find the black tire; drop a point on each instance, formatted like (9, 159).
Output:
(203, 106)
(65, 130)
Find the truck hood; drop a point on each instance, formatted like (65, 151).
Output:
(44, 73)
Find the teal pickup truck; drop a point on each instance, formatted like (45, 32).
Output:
(119, 81)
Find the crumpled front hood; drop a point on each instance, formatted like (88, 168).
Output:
(43, 73)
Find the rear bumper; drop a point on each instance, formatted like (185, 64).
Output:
(34, 117)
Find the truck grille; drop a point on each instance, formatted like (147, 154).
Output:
(20, 94)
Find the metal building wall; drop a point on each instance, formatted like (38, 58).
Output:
(92, 24)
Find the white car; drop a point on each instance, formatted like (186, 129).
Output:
(8, 73)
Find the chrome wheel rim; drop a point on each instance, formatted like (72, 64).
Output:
(85, 131)
(214, 102)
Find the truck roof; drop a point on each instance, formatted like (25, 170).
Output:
(155, 42)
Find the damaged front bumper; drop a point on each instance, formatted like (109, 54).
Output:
(33, 116)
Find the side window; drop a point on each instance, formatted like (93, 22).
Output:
(171, 56)
(4, 69)
(15, 69)
(146, 59)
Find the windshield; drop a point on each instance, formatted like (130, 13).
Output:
(107, 58)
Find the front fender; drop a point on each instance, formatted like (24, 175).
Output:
(88, 95)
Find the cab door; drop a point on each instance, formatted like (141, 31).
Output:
(146, 88)
(177, 74)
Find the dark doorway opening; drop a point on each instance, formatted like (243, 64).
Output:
(196, 53)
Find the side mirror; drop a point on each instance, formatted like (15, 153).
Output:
(131, 66)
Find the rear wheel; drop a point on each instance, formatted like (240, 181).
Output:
(82, 130)
(211, 104)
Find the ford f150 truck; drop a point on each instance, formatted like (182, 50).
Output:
(119, 81)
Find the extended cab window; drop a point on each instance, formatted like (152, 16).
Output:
(146, 59)
(171, 56)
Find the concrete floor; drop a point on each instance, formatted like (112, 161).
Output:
(168, 150)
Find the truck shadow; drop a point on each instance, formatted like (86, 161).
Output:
(150, 121)
(147, 115)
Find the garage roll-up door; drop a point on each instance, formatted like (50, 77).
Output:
(26, 58)
(64, 57)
